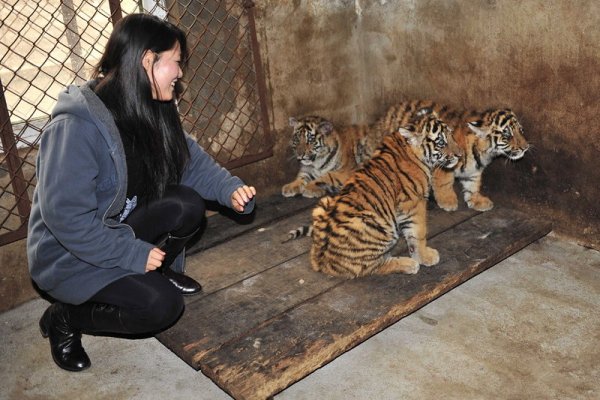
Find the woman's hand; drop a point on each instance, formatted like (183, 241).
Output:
(241, 197)
(155, 259)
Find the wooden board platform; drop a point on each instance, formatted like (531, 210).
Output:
(266, 320)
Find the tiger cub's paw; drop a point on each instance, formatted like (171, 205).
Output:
(403, 265)
(448, 207)
(430, 257)
(448, 202)
(312, 190)
(479, 202)
(291, 189)
(412, 268)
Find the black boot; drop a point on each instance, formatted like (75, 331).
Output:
(65, 340)
(172, 246)
(186, 285)
(64, 323)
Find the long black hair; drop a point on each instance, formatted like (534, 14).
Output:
(153, 128)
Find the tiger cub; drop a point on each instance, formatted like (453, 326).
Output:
(328, 156)
(482, 136)
(354, 232)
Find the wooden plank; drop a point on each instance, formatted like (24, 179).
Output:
(245, 256)
(229, 314)
(254, 278)
(228, 224)
(291, 345)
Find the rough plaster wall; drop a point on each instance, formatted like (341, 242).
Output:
(350, 60)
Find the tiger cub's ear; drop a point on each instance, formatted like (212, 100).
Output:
(293, 121)
(412, 136)
(476, 126)
(325, 127)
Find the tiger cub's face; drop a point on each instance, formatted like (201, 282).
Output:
(311, 138)
(435, 140)
(503, 131)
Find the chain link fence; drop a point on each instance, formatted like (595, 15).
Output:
(46, 45)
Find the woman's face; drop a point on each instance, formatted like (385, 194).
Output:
(163, 70)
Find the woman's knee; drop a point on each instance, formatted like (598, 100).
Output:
(167, 310)
(191, 208)
(159, 314)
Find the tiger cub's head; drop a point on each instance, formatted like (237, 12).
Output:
(312, 138)
(433, 138)
(503, 131)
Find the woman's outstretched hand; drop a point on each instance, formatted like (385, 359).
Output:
(155, 259)
(242, 196)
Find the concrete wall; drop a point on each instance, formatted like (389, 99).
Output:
(349, 60)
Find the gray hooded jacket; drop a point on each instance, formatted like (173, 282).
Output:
(76, 245)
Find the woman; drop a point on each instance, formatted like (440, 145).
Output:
(120, 192)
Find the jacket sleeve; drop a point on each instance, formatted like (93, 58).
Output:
(209, 179)
(69, 181)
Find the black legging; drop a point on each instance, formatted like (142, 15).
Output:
(149, 302)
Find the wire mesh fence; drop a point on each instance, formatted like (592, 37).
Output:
(46, 45)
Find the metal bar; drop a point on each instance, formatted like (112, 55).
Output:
(73, 37)
(7, 238)
(115, 10)
(245, 160)
(13, 160)
(260, 78)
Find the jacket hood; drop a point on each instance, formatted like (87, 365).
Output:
(82, 102)
(71, 101)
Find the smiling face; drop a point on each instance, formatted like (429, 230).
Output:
(163, 71)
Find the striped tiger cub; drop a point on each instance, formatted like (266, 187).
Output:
(482, 136)
(354, 231)
(327, 155)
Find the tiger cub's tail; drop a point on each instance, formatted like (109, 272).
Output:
(300, 232)
(322, 208)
